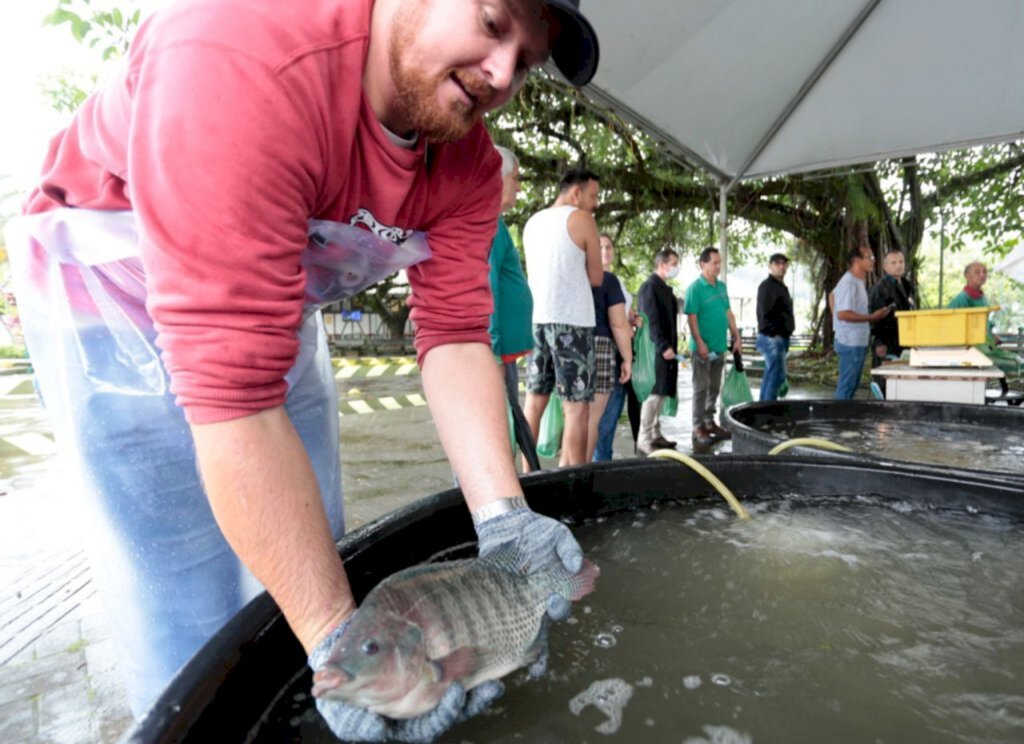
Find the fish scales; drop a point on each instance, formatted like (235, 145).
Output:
(471, 603)
(425, 627)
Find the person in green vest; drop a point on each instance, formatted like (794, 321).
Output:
(511, 325)
(976, 274)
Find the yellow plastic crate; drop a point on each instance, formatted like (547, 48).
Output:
(961, 327)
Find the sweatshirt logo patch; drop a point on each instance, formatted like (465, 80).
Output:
(394, 235)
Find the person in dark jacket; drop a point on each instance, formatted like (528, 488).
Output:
(892, 289)
(775, 324)
(658, 302)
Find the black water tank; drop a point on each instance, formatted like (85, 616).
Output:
(225, 691)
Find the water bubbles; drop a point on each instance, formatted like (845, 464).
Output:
(722, 680)
(605, 640)
(645, 682)
(587, 609)
(692, 682)
(607, 695)
(976, 556)
(720, 735)
(972, 509)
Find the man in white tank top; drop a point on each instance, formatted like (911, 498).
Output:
(563, 261)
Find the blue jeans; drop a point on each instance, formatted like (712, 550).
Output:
(851, 363)
(609, 421)
(774, 349)
(166, 575)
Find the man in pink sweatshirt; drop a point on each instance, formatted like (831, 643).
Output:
(161, 267)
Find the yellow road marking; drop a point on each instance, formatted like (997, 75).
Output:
(32, 443)
(360, 406)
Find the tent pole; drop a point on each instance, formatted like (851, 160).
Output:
(723, 218)
(942, 248)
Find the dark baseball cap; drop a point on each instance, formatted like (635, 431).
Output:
(778, 258)
(575, 51)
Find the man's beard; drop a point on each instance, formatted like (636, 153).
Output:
(417, 93)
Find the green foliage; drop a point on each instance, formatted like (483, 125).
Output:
(13, 352)
(108, 31)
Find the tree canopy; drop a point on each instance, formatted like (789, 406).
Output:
(651, 200)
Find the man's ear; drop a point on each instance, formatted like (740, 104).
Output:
(574, 194)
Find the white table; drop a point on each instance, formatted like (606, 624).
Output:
(936, 384)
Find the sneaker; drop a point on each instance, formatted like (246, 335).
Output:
(645, 450)
(662, 442)
(718, 433)
(702, 436)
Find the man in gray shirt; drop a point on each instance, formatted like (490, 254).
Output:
(851, 320)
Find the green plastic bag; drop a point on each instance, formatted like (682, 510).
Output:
(551, 425)
(783, 389)
(643, 361)
(671, 407)
(511, 425)
(735, 389)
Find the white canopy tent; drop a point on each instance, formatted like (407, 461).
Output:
(751, 88)
(1013, 265)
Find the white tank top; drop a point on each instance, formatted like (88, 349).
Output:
(556, 269)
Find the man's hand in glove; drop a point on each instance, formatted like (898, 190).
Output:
(351, 723)
(539, 540)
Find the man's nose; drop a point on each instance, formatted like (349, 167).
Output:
(500, 66)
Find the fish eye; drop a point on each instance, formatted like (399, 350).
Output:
(370, 648)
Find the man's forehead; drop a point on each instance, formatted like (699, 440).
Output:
(542, 26)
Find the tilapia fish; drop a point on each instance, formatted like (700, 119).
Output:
(426, 627)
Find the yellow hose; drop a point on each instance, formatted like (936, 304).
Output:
(665, 454)
(808, 442)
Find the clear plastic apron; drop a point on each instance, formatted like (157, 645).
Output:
(168, 578)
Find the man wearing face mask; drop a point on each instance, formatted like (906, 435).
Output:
(658, 302)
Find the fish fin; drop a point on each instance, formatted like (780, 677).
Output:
(456, 665)
(536, 656)
(585, 581)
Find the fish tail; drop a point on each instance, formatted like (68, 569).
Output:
(584, 582)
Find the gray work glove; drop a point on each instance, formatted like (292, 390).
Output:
(351, 723)
(539, 540)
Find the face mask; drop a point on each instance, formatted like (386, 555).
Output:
(672, 273)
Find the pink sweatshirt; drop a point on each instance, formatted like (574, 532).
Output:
(233, 123)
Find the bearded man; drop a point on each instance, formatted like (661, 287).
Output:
(164, 271)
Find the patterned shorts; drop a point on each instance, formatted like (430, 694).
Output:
(604, 359)
(563, 355)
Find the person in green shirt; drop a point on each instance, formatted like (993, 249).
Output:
(976, 274)
(511, 326)
(709, 317)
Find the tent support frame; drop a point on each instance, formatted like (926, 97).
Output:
(806, 88)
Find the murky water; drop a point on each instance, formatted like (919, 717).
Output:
(956, 445)
(842, 620)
